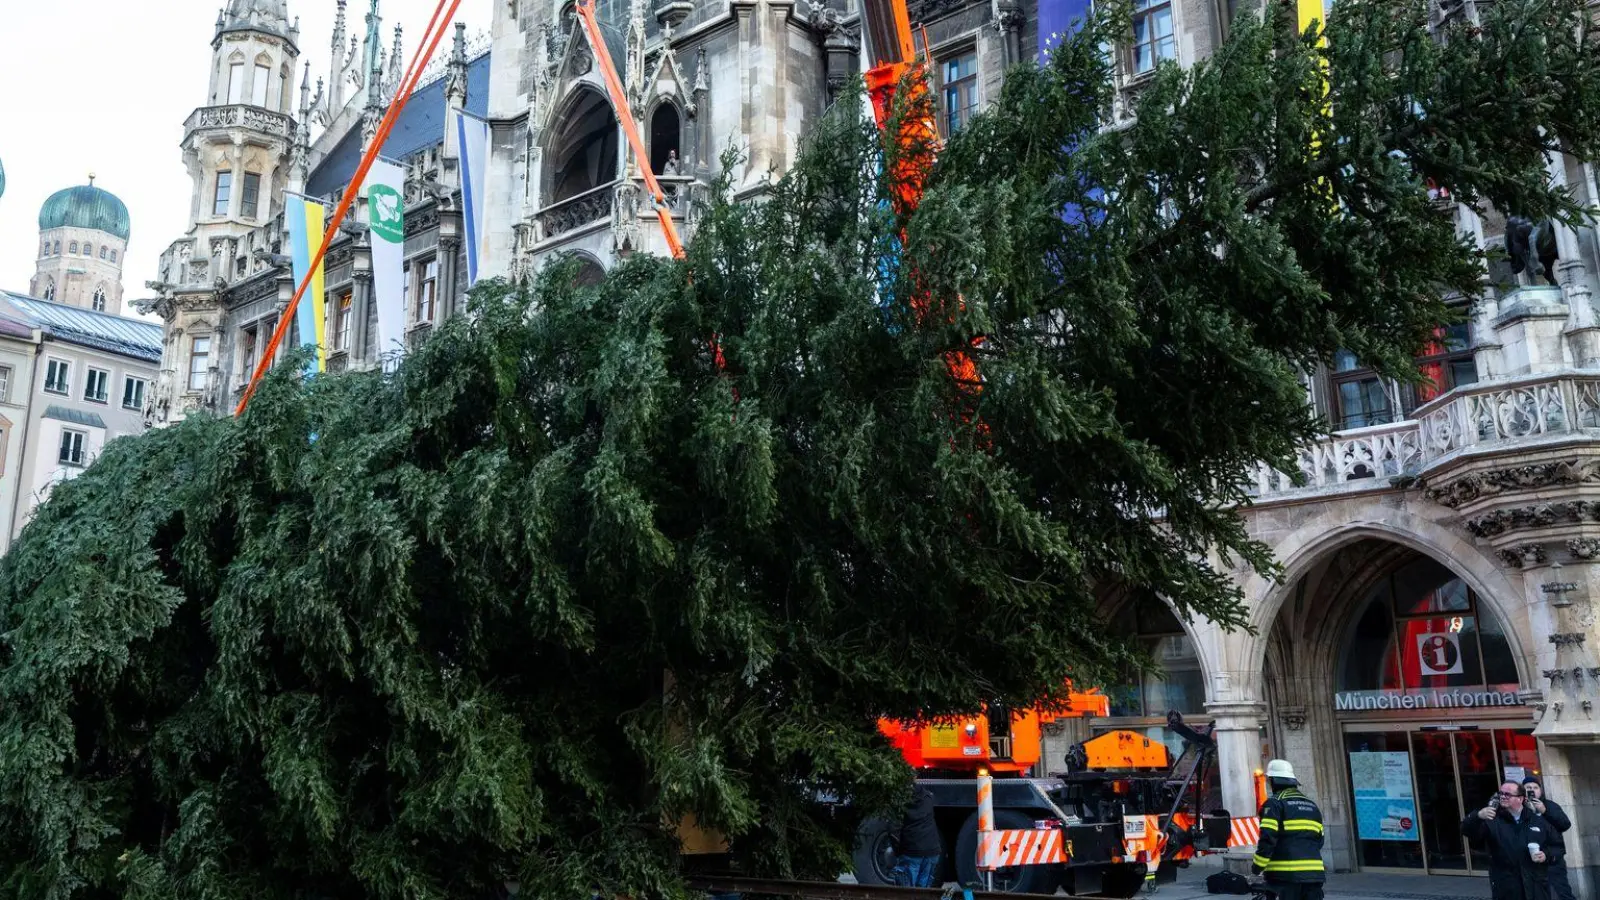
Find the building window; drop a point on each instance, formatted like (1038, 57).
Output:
(5, 384)
(57, 250)
(235, 82)
(99, 300)
(50, 290)
(199, 363)
(665, 135)
(258, 87)
(1446, 362)
(73, 248)
(341, 324)
(1360, 397)
(427, 290)
(88, 249)
(113, 256)
(958, 80)
(103, 250)
(250, 201)
(219, 206)
(45, 251)
(72, 447)
(1153, 40)
(247, 351)
(57, 376)
(1177, 681)
(133, 393)
(94, 387)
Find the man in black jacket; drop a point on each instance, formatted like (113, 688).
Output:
(1289, 851)
(917, 847)
(1516, 838)
(1560, 887)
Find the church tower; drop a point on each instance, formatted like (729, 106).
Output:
(238, 145)
(83, 242)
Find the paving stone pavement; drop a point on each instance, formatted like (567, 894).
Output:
(1191, 885)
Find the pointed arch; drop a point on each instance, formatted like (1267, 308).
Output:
(98, 303)
(584, 148)
(666, 137)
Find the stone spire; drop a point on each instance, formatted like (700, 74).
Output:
(266, 16)
(396, 65)
(336, 62)
(455, 76)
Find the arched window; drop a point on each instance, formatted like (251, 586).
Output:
(88, 249)
(73, 248)
(1422, 627)
(113, 255)
(99, 300)
(45, 250)
(103, 249)
(665, 140)
(1178, 684)
(57, 250)
(585, 151)
(590, 273)
(50, 290)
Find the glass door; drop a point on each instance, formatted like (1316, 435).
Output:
(1433, 755)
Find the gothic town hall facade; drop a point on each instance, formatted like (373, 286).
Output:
(1435, 628)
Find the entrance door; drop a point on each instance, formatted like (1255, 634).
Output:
(1417, 825)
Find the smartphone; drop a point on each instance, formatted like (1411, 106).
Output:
(1494, 802)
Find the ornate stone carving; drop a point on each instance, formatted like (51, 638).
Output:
(1478, 485)
(1572, 639)
(1526, 555)
(1293, 717)
(420, 220)
(1543, 515)
(560, 218)
(1584, 548)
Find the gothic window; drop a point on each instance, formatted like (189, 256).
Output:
(99, 300)
(1422, 627)
(341, 324)
(666, 136)
(50, 288)
(1177, 681)
(1153, 37)
(250, 202)
(585, 152)
(958, 90)
(589, 273)
(199, 363)
(258, 87)
(224, 192)
(235, 83)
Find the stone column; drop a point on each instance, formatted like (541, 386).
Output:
(360, 309)
(1237, 730)
(451, 300)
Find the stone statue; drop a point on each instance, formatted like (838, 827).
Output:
(670, 167)
(1527, 241)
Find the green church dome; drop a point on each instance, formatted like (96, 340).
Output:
(85, 206)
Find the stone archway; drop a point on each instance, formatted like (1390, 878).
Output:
(584, 148)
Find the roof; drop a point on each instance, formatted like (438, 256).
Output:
(101, 331)
(85, 206)
(86, 419)
(266, 16)
(420, 126)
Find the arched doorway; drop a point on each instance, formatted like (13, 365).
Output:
(583, 155)
(1403, 682)
(666, 136)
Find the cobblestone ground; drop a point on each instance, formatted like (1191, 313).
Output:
(1191, 885)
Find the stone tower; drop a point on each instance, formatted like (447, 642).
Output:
(237, 146)
(83, 243)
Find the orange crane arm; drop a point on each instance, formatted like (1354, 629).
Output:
(619, 102)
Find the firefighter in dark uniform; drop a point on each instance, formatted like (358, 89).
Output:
(1289, 853)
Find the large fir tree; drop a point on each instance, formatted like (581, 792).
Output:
(406, 636)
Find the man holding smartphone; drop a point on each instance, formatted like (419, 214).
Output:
(1551, 811)
(1517, 839)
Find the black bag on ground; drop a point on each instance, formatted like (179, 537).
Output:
(1227, 883)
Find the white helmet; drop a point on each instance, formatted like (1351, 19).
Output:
(1279, 769)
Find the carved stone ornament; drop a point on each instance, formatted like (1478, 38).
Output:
(1478, 485)
(1584, 548)
(1543, 515)
(1293, 717)
(1570, 639)
(1526, 555)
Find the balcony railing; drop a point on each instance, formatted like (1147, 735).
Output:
(239, 116)
(1502, 415)
(591, 206)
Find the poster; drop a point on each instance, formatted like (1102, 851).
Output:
(1516, 774)
(1386, 808)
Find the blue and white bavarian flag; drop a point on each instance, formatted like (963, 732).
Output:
(472, 135)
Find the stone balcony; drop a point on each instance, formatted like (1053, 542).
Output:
(239, 115)
(1516, 415)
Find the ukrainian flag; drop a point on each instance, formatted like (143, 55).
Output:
(305, 223)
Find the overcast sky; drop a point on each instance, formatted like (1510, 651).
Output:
(104, 86)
